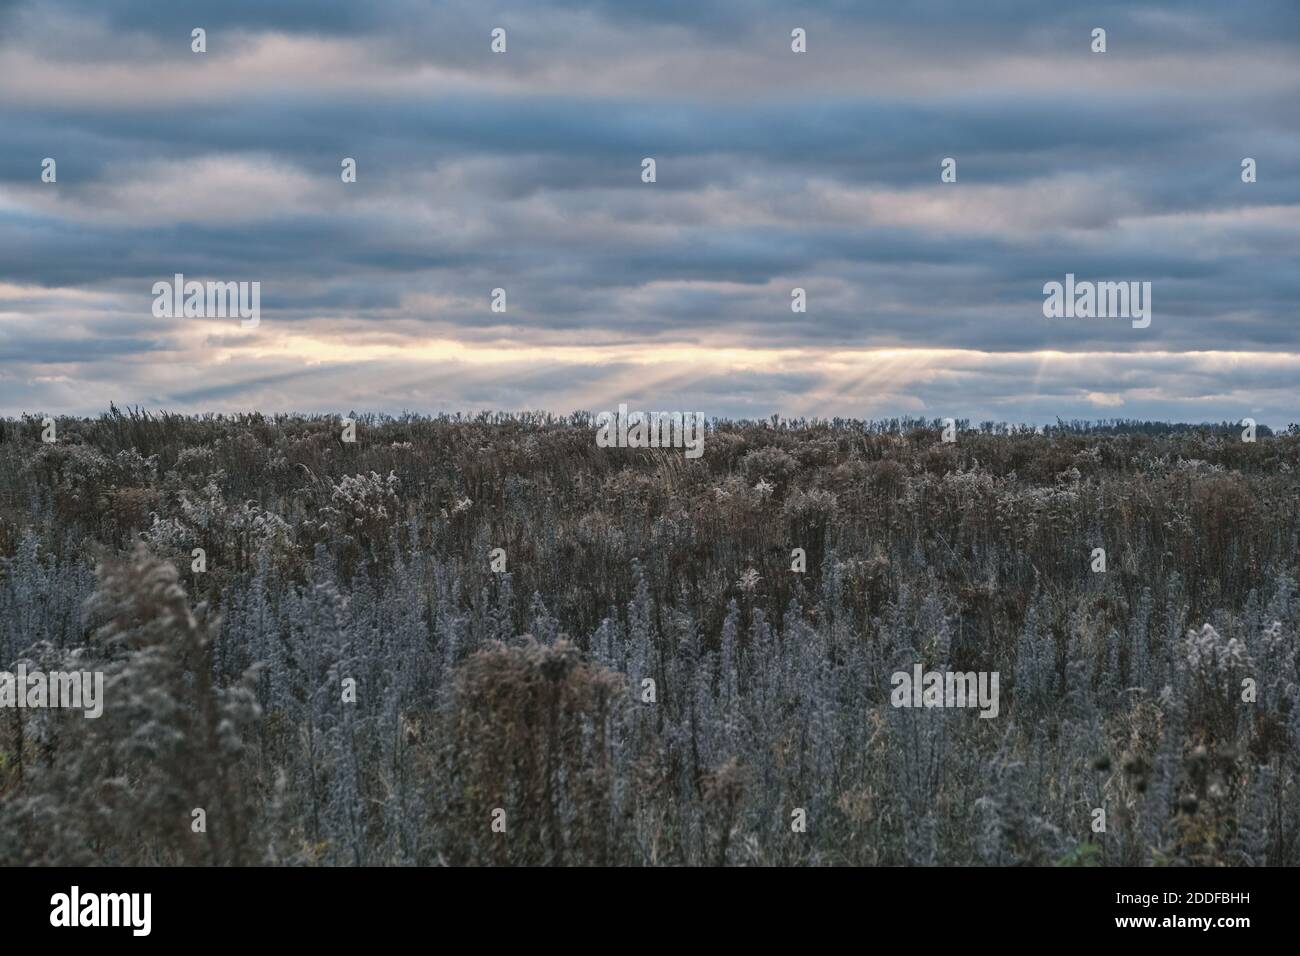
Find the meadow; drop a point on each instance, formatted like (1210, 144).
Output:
(342, 675)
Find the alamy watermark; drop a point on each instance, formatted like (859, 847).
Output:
(208, 300)
(1098, 300)
(76, 690)
(75, 908)
(651, 430)
(946, 689)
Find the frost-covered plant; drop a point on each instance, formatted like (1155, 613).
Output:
(551, 719)
(169, 741)
(363, 507)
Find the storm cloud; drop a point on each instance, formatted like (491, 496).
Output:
(775, 170)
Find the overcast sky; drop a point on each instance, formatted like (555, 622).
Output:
(775, 170)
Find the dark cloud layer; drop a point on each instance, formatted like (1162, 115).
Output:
(775, 170)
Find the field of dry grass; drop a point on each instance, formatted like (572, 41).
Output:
(520, 697)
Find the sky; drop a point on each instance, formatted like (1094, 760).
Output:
(774, 170)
